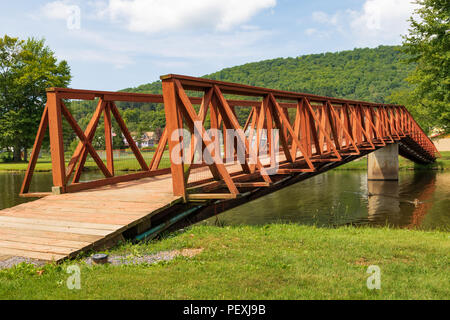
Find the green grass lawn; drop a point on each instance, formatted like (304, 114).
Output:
(442, 163)
(270, 262)
(127, 163)
(130, 164)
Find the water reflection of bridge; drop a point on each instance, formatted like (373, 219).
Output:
(330, 203)
(387, 204)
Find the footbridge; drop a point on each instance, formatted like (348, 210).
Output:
(207, 160)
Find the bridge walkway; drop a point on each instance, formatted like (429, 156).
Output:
(57, 227)
(61, 226)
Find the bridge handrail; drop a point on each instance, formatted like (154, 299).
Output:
(55, 107)
(324, 127)
(334, 121)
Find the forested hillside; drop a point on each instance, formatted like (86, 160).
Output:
(363, 74)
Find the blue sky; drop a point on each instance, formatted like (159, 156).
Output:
(115, 44)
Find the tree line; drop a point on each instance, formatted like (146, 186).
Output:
(415, 74)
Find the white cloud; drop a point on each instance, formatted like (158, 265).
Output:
(213, 46)
(377, 22)
(124, 49)
(383, 17)
(247, 27)
(182, 44)
(312, 32)
(58, 10)
(322, 17)
(153, 16)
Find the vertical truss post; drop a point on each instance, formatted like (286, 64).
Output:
(35, 152)
(332, 121)
(306, 128)
(173, 116)
(108, 140)
(56, 141)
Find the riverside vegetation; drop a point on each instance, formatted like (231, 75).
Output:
(130, 164)
(248, 262)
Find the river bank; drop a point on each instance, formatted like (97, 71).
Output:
(276, 261)
(442, 163)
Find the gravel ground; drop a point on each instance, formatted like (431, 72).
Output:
(12, 261)
(113, 259)
(160, 256)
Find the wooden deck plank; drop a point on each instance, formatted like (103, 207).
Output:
(101, 204)
(91, 218)
(148, 203)
(4, 257)
(49, 234)
(32, 254)
(35, 247)
(54, 207)
(75, 245)
(64, 223)
(20, 226)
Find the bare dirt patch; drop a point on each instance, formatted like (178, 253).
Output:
(363, 262)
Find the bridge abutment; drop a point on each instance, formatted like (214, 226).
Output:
(382, 164)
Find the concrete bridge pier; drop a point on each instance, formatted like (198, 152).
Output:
(382, 164)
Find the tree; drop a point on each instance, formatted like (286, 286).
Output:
(428, 45)
(27, 68)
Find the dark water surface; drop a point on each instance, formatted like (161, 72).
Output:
(339, 197)
(10, 183)
(418, 200)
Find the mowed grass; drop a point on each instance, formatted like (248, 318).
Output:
(442, 163)
(122, 163)
(269, 262)
(129, 163)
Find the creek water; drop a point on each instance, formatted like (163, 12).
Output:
(420, 199)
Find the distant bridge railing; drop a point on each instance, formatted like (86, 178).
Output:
(312, 130)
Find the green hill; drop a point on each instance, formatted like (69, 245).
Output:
(364, 74)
